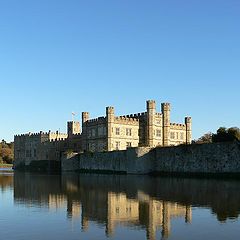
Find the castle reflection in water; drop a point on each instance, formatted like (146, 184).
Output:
(132, 201)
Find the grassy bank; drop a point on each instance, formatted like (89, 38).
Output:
(3, 165)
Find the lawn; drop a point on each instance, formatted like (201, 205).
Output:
(4, 165)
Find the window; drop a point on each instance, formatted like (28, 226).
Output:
(117, 145)
(128, 131)
(181, 136)
(89, 133)
(129, 144)
(172, 135)
(117, 131)
(158, 133)
(100, 131)
(177, 135)
(35, 153)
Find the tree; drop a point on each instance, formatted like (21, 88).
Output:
(206, 138)
(6, 152)
(226, 135)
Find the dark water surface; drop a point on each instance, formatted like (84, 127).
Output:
(72, 206)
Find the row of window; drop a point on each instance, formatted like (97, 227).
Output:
(177, 135)
(101, 131)
(118, 144)
(128, 131)
(29, 153)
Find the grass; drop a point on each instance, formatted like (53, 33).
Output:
(5, 165)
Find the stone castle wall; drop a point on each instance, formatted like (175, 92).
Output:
(204, 159)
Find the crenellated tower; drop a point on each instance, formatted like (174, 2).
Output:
(73, 128)
(165, 107)
(109, 127)
(151, 112)
(188, 123)
(85, 118)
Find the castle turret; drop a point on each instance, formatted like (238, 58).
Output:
(166, 123)
(73, 128)
(188, 123)
(85, 118)
(110, 122)
(151, 111)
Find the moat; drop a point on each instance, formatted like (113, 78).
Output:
(82, 206)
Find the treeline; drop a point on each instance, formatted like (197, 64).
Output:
(222, 135)
(6, 152)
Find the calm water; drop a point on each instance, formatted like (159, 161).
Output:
(71, 206)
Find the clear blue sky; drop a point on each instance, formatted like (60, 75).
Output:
(59, 56)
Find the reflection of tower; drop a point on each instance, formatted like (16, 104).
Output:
(109, 228)
(121, 210)
(151, 229)
(84, 223)
(188, 216)
(165, 221)
(69, 208)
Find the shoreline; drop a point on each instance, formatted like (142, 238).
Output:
(6, 165)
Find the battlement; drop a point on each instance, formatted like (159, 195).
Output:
(166, 104)
(127, 120)
(188, 119)
(57, 140)
(177, 126)
(40, 134)
(31, 134)
(77, 134)
(135, 115)
(95, 120)
(151, 101)
(151, 104)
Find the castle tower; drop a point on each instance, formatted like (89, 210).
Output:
(151, 112)
(110, 122)
(85, 118)
(188, 123)
(73, 128)
(166, 123)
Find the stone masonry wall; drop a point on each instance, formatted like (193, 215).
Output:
(199, 158)
(205, 158)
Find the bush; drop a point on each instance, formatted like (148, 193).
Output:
(226, 135)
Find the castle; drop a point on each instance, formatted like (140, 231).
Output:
(107, 133)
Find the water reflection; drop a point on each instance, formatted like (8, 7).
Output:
(132, 201)
(6, 180)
